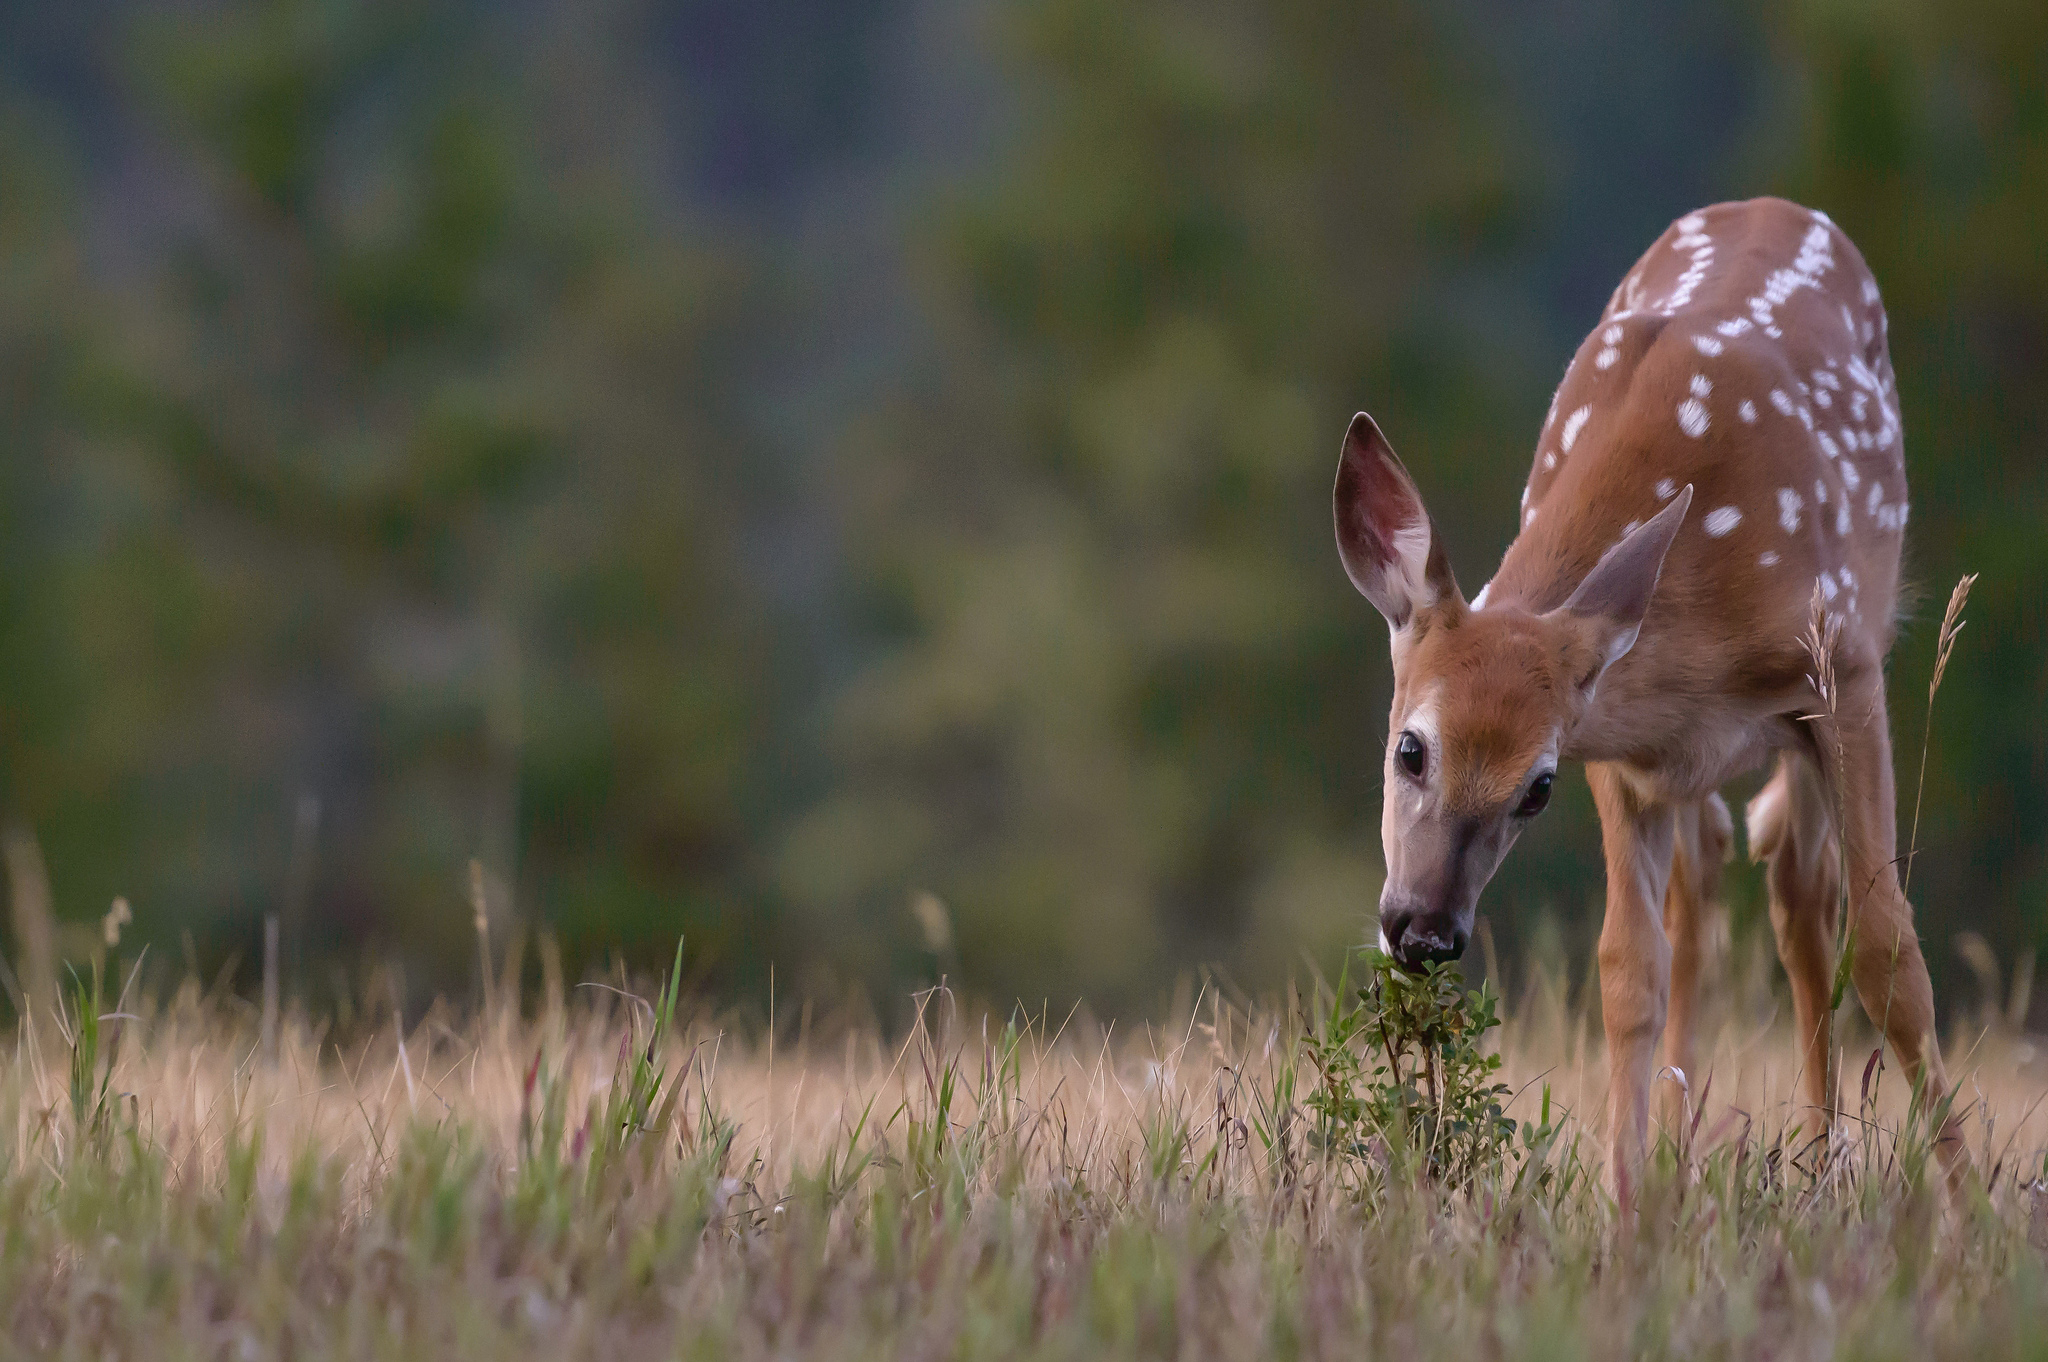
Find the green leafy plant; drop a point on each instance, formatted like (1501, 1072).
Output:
(1404, 1080)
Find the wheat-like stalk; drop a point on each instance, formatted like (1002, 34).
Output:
(1945, 644)
(1823, 633)
(1821, 640)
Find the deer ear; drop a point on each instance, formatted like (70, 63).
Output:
(1612, 600)
(1390, 549)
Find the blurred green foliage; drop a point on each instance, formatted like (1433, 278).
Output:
(1129, 722)
(424, 481)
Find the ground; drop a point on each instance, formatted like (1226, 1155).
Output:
(594, 1180)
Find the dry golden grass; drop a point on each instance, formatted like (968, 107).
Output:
(969, 1189)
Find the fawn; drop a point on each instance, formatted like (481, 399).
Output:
(1741, 369)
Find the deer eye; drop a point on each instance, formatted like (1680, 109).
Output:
(1538, 796)
(1413, 756)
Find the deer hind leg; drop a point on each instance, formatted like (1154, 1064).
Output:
(1792, 829)
(1701, 842)
(1635, 960)
(1890, 975)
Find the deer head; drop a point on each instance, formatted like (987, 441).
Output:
(1485, 700)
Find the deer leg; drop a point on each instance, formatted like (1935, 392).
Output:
(1635, 961)
(1700, 846)
(1791, 828)
(1890, 975)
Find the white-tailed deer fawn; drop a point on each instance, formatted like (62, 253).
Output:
(1724, 450)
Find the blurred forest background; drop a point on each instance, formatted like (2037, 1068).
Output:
(736, 468)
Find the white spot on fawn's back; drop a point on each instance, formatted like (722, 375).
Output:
(1768, 558)
(1747, 411)
(1721, 520)
(1692, 413)
(1789, 506)
(1574, 423)
(1666, 489)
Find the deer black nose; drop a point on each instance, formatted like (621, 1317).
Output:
(1419, 937)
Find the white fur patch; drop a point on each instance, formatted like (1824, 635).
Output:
(1790, 503)
(1410, 567)
(1573, 424)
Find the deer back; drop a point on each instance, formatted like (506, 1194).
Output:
(1745, 355)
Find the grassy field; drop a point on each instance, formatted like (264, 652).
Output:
(596, 1179)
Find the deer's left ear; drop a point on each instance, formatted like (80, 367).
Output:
(1390, 549)
(1608, 608)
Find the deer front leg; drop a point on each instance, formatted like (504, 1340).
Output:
(1635, 962)
(1701, 845)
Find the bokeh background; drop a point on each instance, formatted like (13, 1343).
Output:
(737, 469)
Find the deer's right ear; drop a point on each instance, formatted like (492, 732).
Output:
(1389, 548)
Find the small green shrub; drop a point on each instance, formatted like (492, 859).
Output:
(1404, 1082)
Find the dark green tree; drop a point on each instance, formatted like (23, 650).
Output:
(1126, 714)
(417, 503)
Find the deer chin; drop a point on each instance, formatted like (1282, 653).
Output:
(1424, 938)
